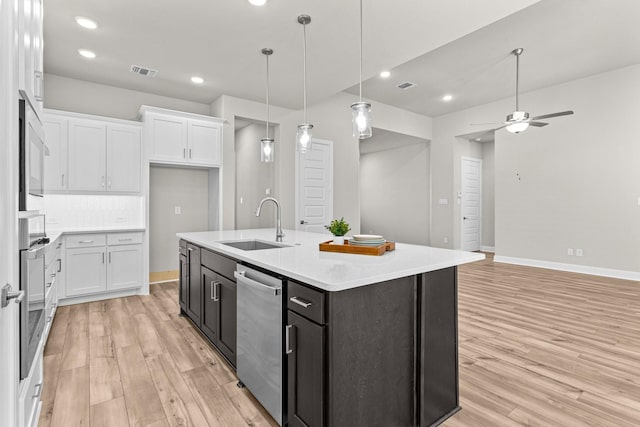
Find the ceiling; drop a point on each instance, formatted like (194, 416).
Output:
(444, 46)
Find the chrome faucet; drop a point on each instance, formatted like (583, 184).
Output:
(279, 233)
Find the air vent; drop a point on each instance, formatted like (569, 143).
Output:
(147, 72)
(406, 85)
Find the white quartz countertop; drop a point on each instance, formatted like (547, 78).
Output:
(330, 271)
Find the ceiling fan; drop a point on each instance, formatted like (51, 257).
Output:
(519, 121)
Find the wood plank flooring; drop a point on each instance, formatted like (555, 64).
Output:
(537, 348)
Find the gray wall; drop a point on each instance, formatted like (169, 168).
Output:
(580, 180)
(253, 178)
(394, 187)
(79, 96)
(171, 187)
(488, 194)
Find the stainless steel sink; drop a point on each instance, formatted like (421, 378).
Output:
(254, 245)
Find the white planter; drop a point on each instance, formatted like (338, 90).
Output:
(338, 240)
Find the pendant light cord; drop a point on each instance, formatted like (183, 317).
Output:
(267, 96)
(517, 79)
(360, 50)
(304, 72)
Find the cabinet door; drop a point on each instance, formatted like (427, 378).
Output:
(204, 142)
(168, 138)
(210, 307)
(87, 155)
(55, 163)
(123, 158)
(226, 295)
(86, 271)
(194, 288)
(184, 278)
(306, 372)
(124, 267)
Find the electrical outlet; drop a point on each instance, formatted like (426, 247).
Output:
(570, 252)
(578, 252)
(177, 210)
(445, 240)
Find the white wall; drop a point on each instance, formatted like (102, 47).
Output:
(9, 371)
(62, 93)
(171, 187)
(580, 180)
(253, 178)
(394, 187)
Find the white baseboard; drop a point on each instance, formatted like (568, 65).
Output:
(491, 249)
(574, 268)
(97, 297)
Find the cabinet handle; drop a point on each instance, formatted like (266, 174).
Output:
(301, 302)
(62, 183)
(38, 392)
(49, 319)
(59, 265)
(109, 182)
(85, 241)
(109, 257)
(125, 240)
(102, 182)
(189, 152)
(184, 153)
(287, 344)
(216, 291)
(103, 257)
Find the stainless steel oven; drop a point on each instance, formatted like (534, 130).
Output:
(32, 151)
(33, 241)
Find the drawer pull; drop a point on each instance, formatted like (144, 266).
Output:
(38, 392)
(288, 349)
(85, 241)
(301, 302)
(125, 240)
(49, 319)
(59, 265)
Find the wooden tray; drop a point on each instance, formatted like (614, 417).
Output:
(361, 250)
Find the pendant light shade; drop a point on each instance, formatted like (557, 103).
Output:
(303, 136)
(361, 111)
(267, 150)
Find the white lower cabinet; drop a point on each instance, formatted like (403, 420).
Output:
(29, 394)
(101, 263)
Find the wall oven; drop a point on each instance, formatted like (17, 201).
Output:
(33, 241)
(32, 151)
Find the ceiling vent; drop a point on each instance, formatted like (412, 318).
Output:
(406, 85)
(147, 72)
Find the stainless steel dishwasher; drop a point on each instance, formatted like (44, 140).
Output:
(260, 354)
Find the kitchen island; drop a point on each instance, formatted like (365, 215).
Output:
(371, 340)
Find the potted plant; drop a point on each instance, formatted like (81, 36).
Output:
(338, 227)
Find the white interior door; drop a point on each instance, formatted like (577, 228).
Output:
(471, 203)
(315, 187)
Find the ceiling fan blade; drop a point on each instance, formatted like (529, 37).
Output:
(548, 116)
(485, 124)
(538, 124)
(502, 127)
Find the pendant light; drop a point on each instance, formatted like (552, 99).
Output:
(266, 144)
(361, 111)
(303, 137)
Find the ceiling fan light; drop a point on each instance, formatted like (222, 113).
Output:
(266, 150)
(303, 138)
(361, 119)
(517, 127)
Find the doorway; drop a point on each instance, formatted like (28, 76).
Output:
(314, 187)
(471, 206)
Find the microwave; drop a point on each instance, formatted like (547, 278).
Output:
(31, 158)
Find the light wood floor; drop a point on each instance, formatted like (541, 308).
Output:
(537, 347)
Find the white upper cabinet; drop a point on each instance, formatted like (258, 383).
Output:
(123, 158)
(55, 170)
(30, 50)
(182, 138)
(91, 155)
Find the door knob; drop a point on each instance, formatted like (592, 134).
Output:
(6, 295)
(302, 221)
(464, 217)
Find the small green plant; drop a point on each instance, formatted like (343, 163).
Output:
(338, 227)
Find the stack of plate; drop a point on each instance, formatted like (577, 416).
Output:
(367, 240)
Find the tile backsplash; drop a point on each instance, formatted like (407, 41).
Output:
(79, 211)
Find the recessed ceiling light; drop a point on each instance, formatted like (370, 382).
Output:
(87, 53)
(86, 22)
(447, 98)
(258, 2)
(197, 80)
(385, 74)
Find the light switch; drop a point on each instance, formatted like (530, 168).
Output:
(177, 210)
(578, 252)
(443, 201)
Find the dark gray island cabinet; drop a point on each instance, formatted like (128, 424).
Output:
(383, 354)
